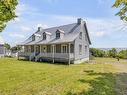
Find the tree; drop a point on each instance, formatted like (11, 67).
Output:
(7, 46)
(122, 4)
(123, 54)
(15, 48)
(7, 12)
(112, 53)
(97, 52)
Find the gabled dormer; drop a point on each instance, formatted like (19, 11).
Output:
(59, 34)
(35, 37)
(46, 36)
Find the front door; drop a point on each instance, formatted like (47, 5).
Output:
(44, 49)
(38, 49)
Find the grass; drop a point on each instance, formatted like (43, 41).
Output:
(32, 78)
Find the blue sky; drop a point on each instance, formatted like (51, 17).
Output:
(105, 29)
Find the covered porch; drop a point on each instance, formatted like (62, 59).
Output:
(54, 52)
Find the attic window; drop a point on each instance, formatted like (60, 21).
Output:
(57, 34)
(85, 37)
(80, 35)
(44, 36)
(33, 38)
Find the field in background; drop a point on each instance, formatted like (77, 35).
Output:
(105, 76)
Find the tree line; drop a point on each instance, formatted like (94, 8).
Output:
(13, 49)
(113, 53)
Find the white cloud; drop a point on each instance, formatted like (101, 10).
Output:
(42, 25)
(1, 40)
(101, 2)
(25, 29)
(25, 9)
(51, 1)
(103, 27)
(16, 35)
(98, 34)
(17, 19)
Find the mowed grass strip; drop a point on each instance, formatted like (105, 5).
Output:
(33, 78)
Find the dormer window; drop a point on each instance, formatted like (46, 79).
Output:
(44, 36)
(33, 37)
(59, 34)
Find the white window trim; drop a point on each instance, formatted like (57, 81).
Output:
(45, 49)
(80, 49)
(63, 45)
(86, 49)
(80, 35)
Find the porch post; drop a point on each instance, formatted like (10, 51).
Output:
(69, 54)
(53, 53)
(40, 48)
(17, 52)
(34, 50)
(29, 48)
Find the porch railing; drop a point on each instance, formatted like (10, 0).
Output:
(48, 55)
(24, 53)
(57, 55)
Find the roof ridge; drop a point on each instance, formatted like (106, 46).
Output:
(59, 26)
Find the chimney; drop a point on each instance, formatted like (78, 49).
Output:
(40, 29)
(80, 21)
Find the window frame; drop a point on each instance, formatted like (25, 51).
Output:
(33, 37)
(80, 49)
(86, 37)
(80, 35)
(64, 49)
(86, 47)
(57, 34)
(44, 36)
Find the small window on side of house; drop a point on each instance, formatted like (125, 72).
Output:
(80, 35)
(80, 49)
(85, 48)
(85, 37)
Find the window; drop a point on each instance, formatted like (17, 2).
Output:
(57, 34)
(64, 48)
(44, 49)
(44, 36)
(80, 49)
(80, 35)
(33, 38)
(85, 48)
(85, 37)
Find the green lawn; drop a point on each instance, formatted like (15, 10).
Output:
(33, 78)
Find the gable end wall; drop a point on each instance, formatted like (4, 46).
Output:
(85, 54)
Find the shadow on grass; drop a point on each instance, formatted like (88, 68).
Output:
(45, 62)
(105, 84)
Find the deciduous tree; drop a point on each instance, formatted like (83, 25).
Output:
(7, 12)
(122, 5)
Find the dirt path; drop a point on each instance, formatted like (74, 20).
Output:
(121, 79)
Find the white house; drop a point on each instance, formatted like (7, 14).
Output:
(66, 43)
(2, 49)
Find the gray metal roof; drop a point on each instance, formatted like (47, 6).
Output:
(71, 31)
